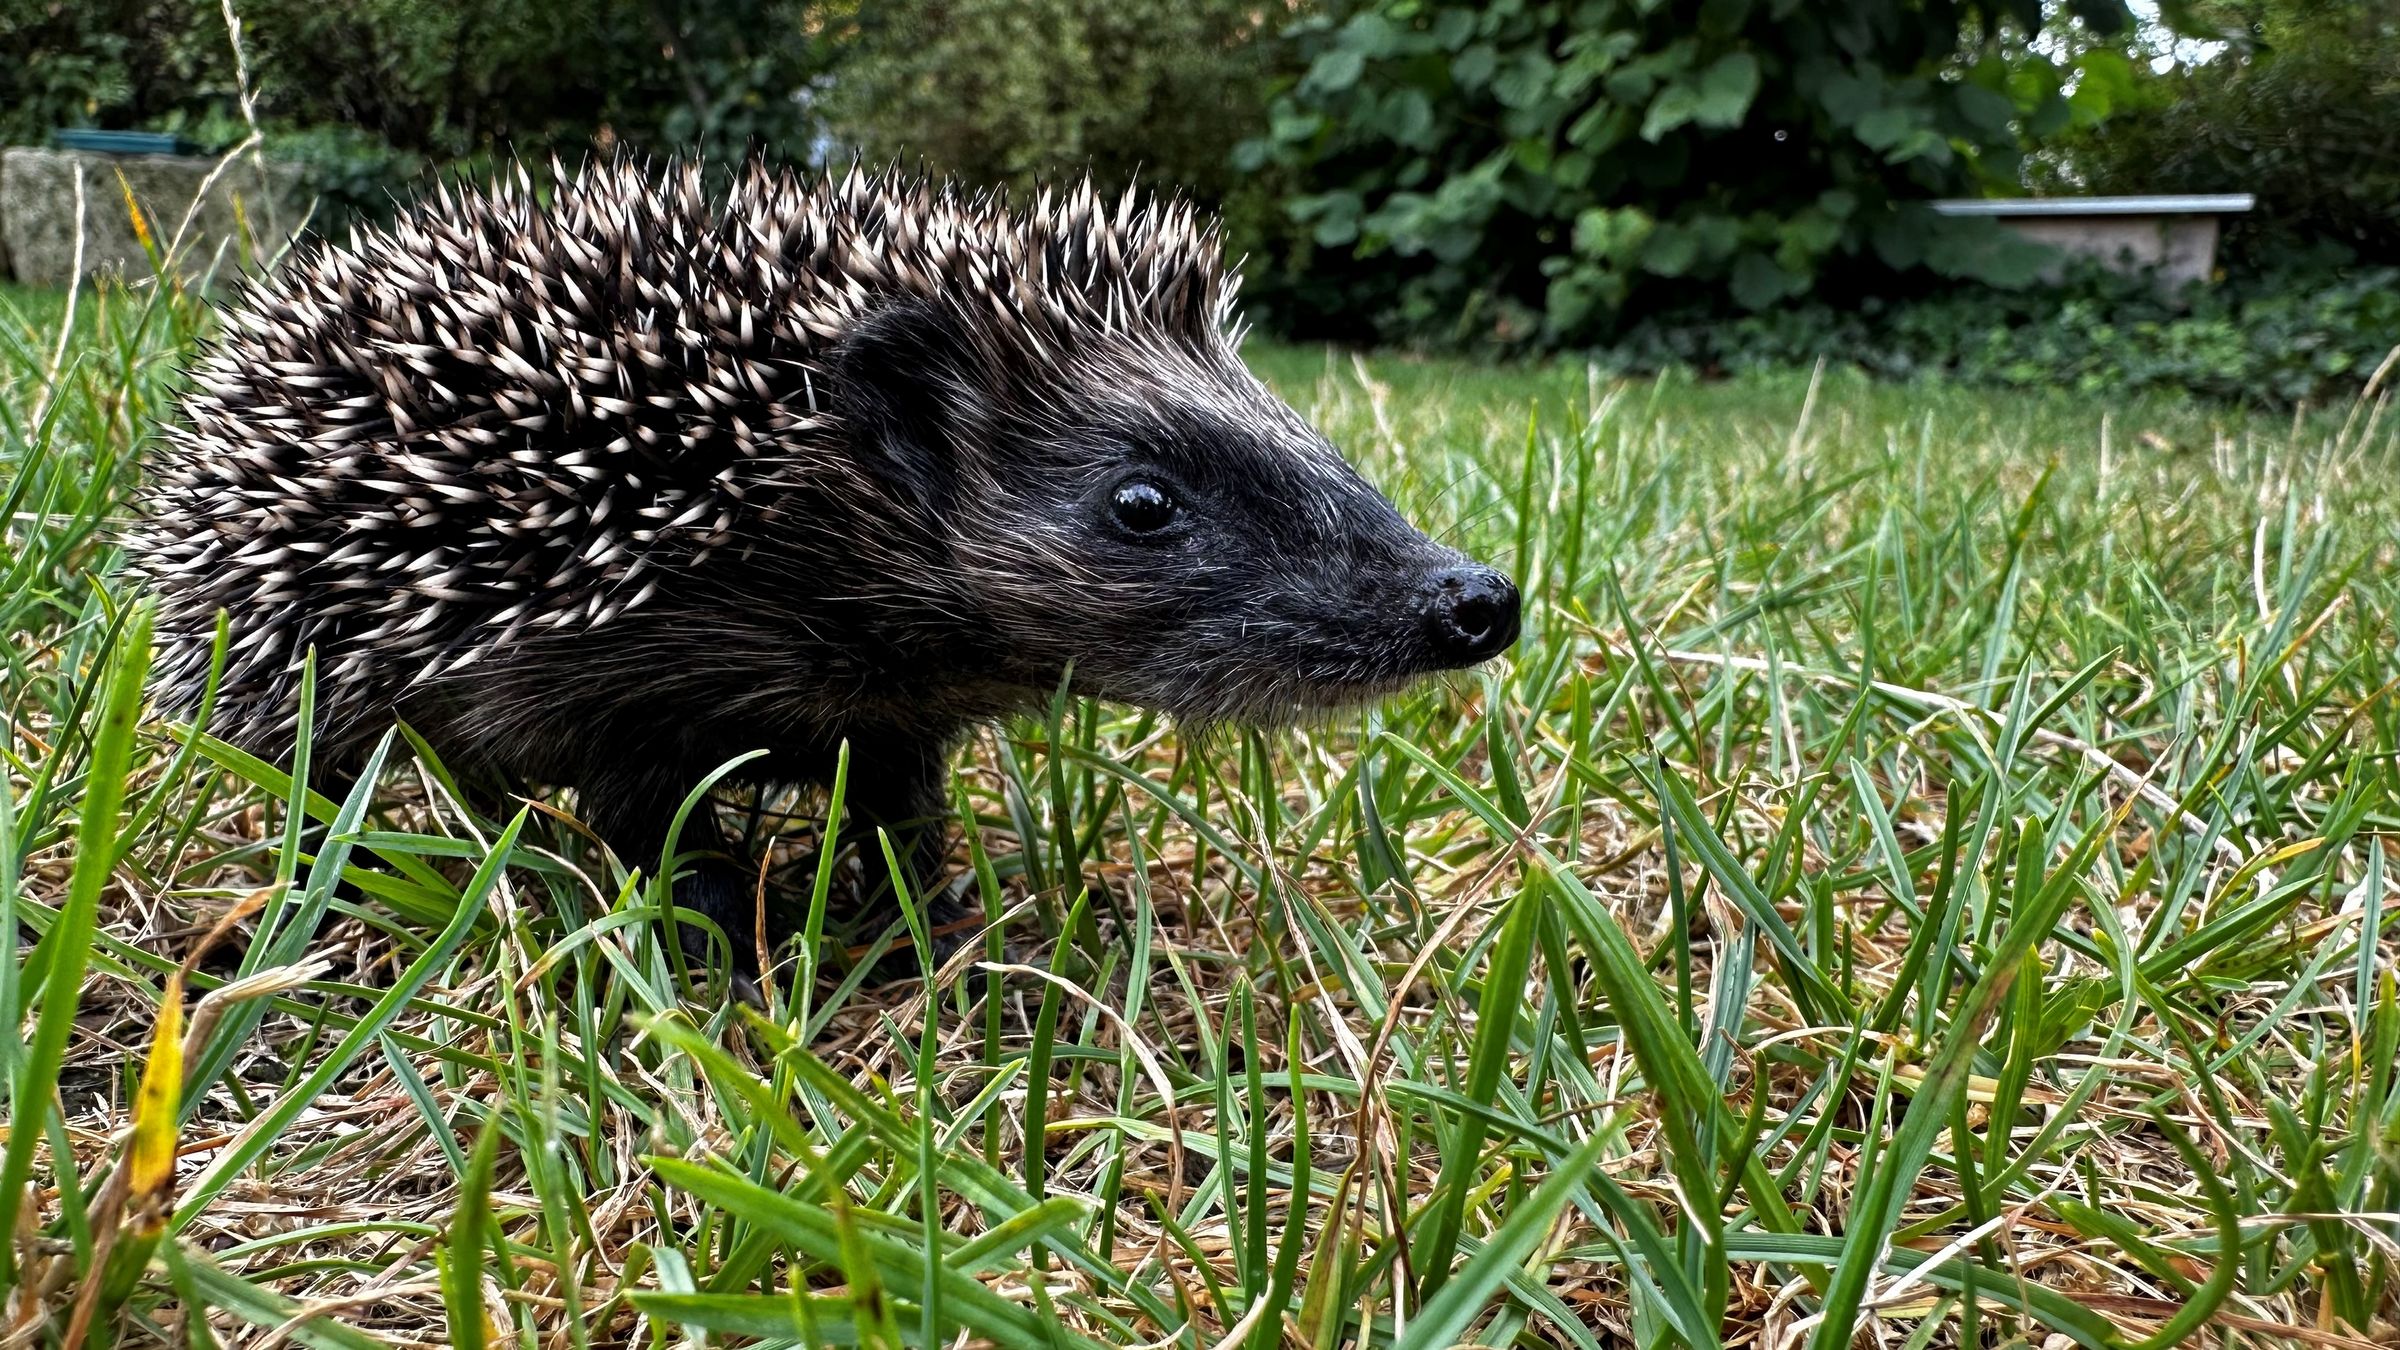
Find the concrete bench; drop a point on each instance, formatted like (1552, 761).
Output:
(2175, 236)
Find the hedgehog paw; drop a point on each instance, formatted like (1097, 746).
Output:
(726, 895)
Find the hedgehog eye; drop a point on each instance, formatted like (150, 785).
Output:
(1140, 506)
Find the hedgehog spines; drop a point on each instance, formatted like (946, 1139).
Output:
(498, 417)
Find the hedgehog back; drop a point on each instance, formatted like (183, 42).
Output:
(504, 419)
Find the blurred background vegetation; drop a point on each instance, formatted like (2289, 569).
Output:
(1722, 185)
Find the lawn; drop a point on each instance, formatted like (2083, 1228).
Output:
(1922, 879)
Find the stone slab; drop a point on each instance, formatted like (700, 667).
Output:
(248, 207)
(2175, 249)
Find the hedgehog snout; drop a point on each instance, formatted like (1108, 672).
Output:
(1471, 613)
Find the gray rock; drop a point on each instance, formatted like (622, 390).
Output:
(247, 216)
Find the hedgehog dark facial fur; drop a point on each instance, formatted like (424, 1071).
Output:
(607, 491)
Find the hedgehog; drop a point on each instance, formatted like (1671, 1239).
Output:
(605, 485)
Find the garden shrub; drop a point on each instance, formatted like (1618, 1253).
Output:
(369, 94)
(2303, 110)
(2271, 339)
(1008, 92)
(1539, 171)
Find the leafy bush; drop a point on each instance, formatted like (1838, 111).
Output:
(355, 175)
(1536, 170)
(2278, 338)
(370, 93)
(2300, 111)
(1009, 91)
(112, 63)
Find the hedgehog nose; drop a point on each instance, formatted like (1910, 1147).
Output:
(1474, 613)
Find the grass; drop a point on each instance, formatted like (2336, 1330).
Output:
(1923, 879)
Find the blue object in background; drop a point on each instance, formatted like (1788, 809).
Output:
(122, 142)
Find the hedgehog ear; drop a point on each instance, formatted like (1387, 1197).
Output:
(910, 388)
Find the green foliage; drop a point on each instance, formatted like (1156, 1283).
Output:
(2275, 339)
(355, 174)
(2300, 112)
(1533, 170)
(369, 94)
(114, 63)
(1011, 91)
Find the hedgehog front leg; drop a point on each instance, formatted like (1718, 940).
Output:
(898, 786)
(632, 809)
